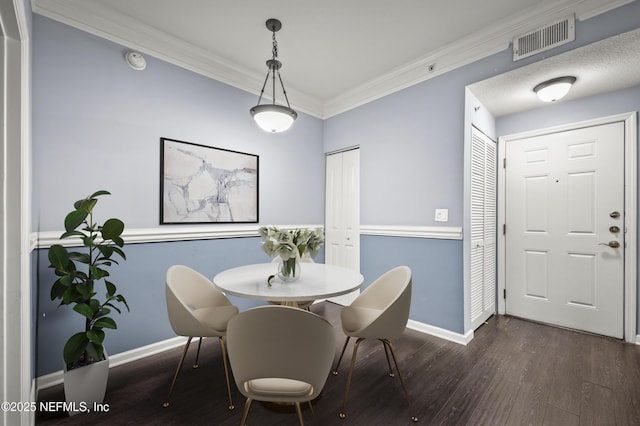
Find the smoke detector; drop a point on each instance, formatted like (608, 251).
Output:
(135, 60)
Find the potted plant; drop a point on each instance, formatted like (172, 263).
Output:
(78, 274)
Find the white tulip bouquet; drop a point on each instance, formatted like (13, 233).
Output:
(290, 245)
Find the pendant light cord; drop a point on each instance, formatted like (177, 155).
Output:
(274, 67)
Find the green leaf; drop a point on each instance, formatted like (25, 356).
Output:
(103, 311)
(84, 309)
(95, 351)
(112, 228)
(120, 298)
(57, 289)
(111, 288)
(86, 205)
(87, 241)
(99, 193)
(119, 242)
(101, 273)
(80, 257)
(74, 219)
(119, 251)
(105, 322)
(58, 256)
(83, 291)
(74, 347)
(95, 336)
(113, 306)
(95, 305)
(69, 296)
(73, 233)
(106, 251)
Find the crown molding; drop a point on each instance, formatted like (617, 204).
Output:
(464, 51)
(100, 20)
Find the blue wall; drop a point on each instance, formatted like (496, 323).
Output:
(141, 278)
(97, 124)
(434, 274)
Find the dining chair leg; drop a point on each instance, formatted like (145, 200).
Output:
(245, 412)
(299, 411)
(226, 371)
(342, 414)
(386, 353)
(195, 364)
(175, 376)
(335, 370)
(404, 387)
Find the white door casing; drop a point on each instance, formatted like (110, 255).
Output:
(342, 213)
(556, 198)
(16, 351)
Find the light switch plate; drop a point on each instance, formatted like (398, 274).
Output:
(442, 215)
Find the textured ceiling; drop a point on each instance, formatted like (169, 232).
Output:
(605, 66)
(336, 54)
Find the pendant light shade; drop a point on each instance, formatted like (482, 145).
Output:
(272, 117)
(555, 89)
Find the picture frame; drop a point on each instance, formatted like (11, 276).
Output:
(204, 184)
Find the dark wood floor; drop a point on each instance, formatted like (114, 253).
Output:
(513, 372)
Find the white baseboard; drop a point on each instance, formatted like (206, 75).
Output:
(637, 342)
(462, 339)
(56, 378)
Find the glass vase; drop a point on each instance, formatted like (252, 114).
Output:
(289, 270)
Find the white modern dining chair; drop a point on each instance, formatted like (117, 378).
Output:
(280, 354)
(380, 312)
(197, 309)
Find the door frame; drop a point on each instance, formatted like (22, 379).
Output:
(630, 202)
(16, 349)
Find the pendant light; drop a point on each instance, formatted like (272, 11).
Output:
(554, 89)
(272, 117)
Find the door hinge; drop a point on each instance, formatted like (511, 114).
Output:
(504, 163)
(504, 293)
(504, 229)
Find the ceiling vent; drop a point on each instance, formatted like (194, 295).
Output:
(545, 38)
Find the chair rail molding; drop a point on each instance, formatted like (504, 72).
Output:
(436, 232)
(46, 239)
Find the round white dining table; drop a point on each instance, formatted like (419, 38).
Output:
(317, 281)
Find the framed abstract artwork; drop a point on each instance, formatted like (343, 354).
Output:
(202, 184)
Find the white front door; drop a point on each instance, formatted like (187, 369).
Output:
(565, 228)
(342, 213)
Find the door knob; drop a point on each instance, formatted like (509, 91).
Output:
(614, 229)
(612, 244)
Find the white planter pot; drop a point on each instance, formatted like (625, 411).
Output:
(85, 386)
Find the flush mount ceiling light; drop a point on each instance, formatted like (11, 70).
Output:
(554, 89)
(272, 117)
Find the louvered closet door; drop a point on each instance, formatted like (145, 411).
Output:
(483, 227)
